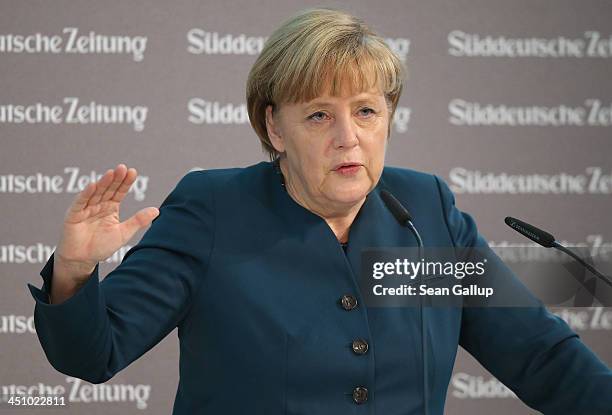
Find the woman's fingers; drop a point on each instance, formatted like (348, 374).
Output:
(118, 178)
(125, 185)
(82, 198)
(101, 185)
(113, 185)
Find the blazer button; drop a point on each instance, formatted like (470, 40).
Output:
(360, 395)
(360, 346)
(348, 302)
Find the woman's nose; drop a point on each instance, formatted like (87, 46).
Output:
(345, 134)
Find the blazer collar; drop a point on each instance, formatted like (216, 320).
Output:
(374, 226)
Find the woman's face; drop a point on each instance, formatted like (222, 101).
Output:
(334, 148)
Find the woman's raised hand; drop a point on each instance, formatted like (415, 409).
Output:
(92, 230)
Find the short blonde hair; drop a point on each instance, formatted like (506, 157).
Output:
(313, 46)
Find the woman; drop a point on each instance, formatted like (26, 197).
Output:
(257, 266)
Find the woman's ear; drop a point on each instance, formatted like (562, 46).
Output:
(274, 131)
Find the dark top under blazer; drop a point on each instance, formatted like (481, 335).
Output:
(253, 281)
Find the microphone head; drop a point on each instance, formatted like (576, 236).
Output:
(537, 235)
(398, 210)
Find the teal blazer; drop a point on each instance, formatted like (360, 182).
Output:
(270, 316)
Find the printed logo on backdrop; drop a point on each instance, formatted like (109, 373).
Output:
(72, 180)
(202, 42)
(593, 113)
(39, 253)
(202, 111)
(77, 391)
(592, 318)
(401, 119)
(399, 45)
(466, 386)
(72, 41)
(595, 180)
(17, 324)
(594, 246)
(73, 111)
(592, 44)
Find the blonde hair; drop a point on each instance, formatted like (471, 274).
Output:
(311, 49)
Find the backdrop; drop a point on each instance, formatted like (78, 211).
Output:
(509, 101)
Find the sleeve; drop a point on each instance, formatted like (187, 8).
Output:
(106, 325)
(529, 349)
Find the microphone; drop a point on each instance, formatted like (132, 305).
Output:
(402, 215)
(537, 235)
(548, 241)
(404, 218)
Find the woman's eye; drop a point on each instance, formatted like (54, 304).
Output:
(366, 111)
(317, 116)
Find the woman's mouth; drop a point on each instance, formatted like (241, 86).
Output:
(348, 169)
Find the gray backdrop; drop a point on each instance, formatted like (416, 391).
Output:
(510, 101)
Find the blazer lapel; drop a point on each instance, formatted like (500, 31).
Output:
(375, 227)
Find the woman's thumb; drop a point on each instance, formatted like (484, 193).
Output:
(139, 220)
